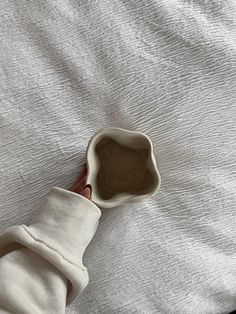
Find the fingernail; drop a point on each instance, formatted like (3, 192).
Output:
(88, 186)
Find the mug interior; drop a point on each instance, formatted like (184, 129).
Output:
(123, 166)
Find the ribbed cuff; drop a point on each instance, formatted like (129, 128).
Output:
(67, 221)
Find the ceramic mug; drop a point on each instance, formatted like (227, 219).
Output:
(121, 167)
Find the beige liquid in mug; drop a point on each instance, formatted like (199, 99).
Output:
(122, 169)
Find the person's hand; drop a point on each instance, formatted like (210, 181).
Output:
(80, 187)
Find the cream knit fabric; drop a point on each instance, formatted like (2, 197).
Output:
(41, 265)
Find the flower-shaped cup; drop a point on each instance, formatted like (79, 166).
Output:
(121, 167)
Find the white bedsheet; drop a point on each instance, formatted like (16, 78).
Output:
(166, 68)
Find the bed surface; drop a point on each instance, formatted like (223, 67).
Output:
(165, 68)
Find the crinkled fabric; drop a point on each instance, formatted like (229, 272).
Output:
(166, 68)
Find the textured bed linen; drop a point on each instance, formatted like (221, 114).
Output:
(166, 68)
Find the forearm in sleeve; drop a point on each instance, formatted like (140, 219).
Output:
(41, 269)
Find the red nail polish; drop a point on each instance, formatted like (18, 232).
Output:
(88, 186)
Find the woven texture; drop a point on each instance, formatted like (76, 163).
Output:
(166, 68)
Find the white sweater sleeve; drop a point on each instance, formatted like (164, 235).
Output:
(41, 269)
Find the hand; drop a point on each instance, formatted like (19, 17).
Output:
(80, 187)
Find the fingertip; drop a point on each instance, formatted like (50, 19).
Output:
(87, 191)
